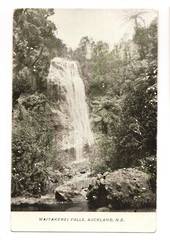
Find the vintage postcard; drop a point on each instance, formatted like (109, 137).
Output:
(84, 120)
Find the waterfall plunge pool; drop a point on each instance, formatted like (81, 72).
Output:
(66, 207)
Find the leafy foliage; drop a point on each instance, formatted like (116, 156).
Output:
(31, 146)
(122, 95)
(34, 44)
(136, 136)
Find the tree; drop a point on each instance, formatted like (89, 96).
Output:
(124, 109)
(136, 136)
(32, 138)
(34, 44)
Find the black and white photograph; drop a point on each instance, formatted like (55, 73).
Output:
(84, 110)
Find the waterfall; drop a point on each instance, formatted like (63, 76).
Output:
(65, 74)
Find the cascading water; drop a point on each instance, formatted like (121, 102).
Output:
(65, 74)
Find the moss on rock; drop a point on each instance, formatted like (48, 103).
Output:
(123, 188)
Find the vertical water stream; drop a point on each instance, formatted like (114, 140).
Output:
(65, 74)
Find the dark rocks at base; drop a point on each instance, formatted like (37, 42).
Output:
(60, 198)
(82, 172)
(122, 189)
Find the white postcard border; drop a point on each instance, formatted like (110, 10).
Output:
(84, 221)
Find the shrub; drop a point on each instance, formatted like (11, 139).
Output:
(31, 146)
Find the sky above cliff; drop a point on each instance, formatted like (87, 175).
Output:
(106, 25)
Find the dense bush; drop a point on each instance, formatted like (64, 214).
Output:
(101, 156)
(31, 146)
(106, 118)
(149, 165)
(136, 135)
(34, 44)
(122, 94)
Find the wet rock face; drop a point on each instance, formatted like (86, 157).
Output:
(121, 189)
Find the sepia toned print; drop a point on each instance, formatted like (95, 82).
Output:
(84, 110)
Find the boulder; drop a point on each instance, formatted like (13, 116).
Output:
(68, 193)
(61, 197)
(122, 189)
